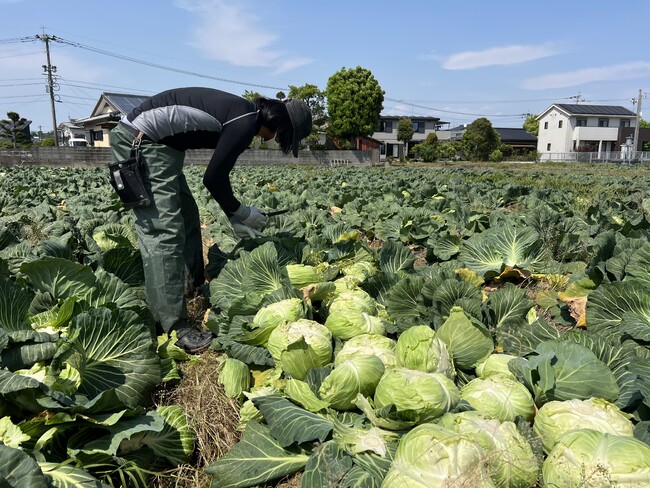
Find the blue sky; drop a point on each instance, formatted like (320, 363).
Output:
(457, 60)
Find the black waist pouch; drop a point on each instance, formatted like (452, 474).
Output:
(126, 178)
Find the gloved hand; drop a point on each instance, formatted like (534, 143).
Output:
(244, 231)
(250, 216)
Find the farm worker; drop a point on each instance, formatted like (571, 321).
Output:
(168, 229)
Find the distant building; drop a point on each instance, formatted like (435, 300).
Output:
(453, 134)
(565, 128)
(519, 139)
(107, 113)
(386, 133)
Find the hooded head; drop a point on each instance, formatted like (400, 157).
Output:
(300, 116)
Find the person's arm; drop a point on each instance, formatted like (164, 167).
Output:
(232, 142)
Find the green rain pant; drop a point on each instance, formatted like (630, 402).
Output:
(168, 229)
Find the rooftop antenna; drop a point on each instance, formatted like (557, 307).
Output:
(578, 98)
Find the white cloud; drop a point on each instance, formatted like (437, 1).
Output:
(625, 71)
(498, 56)
(227, 30)
(26, 62)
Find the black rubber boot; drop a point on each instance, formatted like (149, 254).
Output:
(192, 340)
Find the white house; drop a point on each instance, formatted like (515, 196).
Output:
(565, 128)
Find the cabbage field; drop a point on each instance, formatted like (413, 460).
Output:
(398, 327)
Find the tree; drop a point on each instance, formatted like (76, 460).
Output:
(429, 149)
(16, 129)
(315, 100)
(643, 124)
(479, 140)
(354, 102)
(405, 132)
(250, 95)
(531, 124)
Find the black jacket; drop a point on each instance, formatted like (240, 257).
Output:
(202, 118)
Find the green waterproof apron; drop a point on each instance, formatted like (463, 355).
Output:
(169, 229)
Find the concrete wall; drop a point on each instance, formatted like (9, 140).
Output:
(97, 156)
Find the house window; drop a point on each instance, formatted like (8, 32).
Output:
(545, 125)
(581, 122)
(559, 124)
(418, 127)
(98, 135)
(548, 146)
(603, 122)
(625, 123)
(385, 126)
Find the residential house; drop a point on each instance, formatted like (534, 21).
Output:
(453, 134)
(565, 128)
(108, 111)
(519, 139)
(386, 133)
(70, 130)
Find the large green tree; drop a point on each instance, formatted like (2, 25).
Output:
(531, 124)
(15, 129)
(405, 132)
(354, 102)
(479, 140)
(315, 99)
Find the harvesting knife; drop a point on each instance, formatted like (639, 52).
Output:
(275, 212)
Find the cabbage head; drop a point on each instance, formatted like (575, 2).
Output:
(346, 325)
(432, 456)
(300, 346)
(559, 417)
(591, 459)
(277, 313)
(353, 376)
(302, 275)
(495, 364)
(499, 396)
(418, 348)
(355, 300)
(424, 396)
(368, 345)
(356, 440)
(510, 456)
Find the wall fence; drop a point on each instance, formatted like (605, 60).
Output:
(97, 156)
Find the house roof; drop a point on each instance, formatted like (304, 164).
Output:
(514, 134)
(415, 118)
(120, 102)
(586, 109)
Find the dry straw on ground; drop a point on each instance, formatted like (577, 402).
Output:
(212, 415)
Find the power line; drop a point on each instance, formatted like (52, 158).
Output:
(159, 66)
(452, 111)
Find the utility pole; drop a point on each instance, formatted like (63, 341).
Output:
(48, 69)
(638, 120)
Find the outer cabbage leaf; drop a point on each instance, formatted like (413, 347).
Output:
(256, 459)
(18, 469)
(468, 340)
(112, 350)
(507, 246)
(613, 306)
(564, 370)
